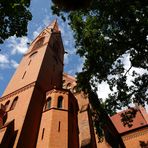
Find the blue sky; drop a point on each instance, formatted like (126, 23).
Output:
(13, 48)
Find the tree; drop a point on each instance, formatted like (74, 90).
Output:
(71, 5)
(104, 33)
(14, 18)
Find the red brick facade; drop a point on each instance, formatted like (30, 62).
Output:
(37, 111)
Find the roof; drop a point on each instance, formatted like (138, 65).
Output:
(140, 120)
(68, 77)
(69, 82)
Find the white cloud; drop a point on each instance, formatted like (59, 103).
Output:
(37, 32)
(80, 65)
(4, 61)
(4, 66)
(14, 64)
(127, 65)
(66, 59)
(126, 61)
(103, 90)
(46, 20)
(18, 45)
(67, 37)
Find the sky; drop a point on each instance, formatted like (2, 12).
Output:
(13, 48)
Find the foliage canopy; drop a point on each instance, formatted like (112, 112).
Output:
(14, 18)
(106, 32)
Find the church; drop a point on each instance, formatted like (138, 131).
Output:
(40, 107)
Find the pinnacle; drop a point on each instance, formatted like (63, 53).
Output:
(54, 26)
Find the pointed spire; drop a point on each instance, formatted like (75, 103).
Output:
(54, 26)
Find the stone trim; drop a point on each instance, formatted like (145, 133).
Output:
(136, 134)
(57, 91)
(84, 108)
(54, 108)
(17, 91)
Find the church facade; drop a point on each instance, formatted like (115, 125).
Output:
(41, 108)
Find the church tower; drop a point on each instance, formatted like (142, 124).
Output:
(39, 72)
(59, 123)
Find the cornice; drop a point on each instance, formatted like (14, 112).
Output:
(61, 91)
(17, 91)
(135, 134)
(54, 108)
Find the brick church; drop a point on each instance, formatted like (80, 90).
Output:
(40, 108)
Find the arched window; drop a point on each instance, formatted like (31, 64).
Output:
(6, 105)
(2, 107)
(48, 103)
(14, 103)
(74, 90)
(60, 100)
(68, 86)
(33, 54)
(64, 84)
(63, 81)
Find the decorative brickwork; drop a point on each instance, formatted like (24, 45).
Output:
(17, 91)
(136, 134)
